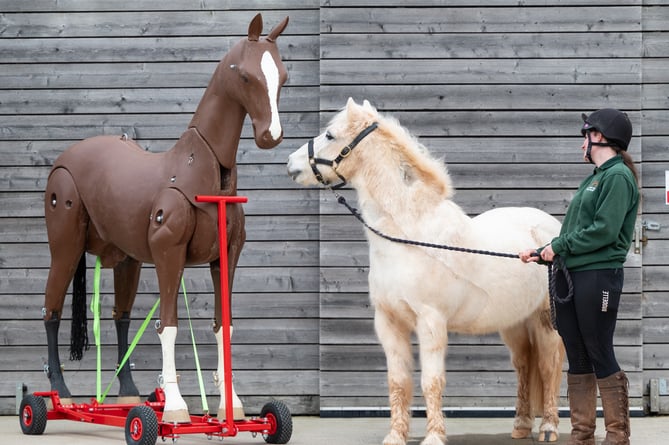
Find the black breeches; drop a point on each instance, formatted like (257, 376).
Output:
(586, 323)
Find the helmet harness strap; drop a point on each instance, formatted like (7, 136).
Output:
(591, 144)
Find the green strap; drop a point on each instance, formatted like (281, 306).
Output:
(95, 308)
(203, 396)
(132, 346)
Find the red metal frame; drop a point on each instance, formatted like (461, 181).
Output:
(116, 414)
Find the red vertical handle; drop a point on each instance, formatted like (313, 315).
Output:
(225, 298)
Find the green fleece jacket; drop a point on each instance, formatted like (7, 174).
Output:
(598, 228)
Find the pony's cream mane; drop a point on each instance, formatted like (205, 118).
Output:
(425, 167)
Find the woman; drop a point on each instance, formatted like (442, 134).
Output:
(596, 234)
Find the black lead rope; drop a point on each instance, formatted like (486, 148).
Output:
(355, 213)
(556, 266)
(553, 267)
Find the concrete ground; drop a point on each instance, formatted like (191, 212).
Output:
(332, 431)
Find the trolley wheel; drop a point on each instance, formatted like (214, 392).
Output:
(278, 415)
(141, 426)
(33, 415)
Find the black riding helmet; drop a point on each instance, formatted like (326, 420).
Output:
(613, 124)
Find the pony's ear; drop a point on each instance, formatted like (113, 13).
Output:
(351, 107)
(367, 106)
(274, 33)
(255, 28)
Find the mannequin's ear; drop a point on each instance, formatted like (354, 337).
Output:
(255, 28)
(274, 33)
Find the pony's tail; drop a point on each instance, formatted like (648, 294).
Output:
(79, 331)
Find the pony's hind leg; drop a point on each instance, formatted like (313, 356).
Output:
(537, 354)
(66, 222)
(126, 279)
(395, 337)
(517, 340)
(431, 329)
(548, 356)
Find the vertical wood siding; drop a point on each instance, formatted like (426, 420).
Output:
(497, 90)
(75, 69)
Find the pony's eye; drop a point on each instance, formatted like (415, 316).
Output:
(329, 136)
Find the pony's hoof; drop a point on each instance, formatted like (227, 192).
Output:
(548, 436)
(521, 433)
(393, 438)
(434, 439)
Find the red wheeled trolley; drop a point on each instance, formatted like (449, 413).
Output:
(143, 423)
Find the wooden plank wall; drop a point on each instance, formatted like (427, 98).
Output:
(498, 90)
(655, 304)
(72, 69)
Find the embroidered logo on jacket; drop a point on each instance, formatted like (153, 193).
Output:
(593, 186)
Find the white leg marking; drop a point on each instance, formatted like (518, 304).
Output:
(173, 399)
(219, 380)
(272, 78)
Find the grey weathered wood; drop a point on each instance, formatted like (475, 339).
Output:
(126, 23)
(488, 71)
(490, 20)
(131, 100)
(188, 74)
(481, 45)
(137, 49)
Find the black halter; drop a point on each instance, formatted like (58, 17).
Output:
(313, 162)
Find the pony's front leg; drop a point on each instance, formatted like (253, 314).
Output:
(431, 330)
(395, 337)
(172, 225)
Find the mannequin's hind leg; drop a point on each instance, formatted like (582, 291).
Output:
(126, 279)
(66, 222)
(236, 238)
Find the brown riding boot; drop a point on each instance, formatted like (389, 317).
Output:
(582, 393)
(615, 402)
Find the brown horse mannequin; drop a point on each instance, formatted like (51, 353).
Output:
(109, 197)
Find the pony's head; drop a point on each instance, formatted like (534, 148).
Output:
(252, 74)
(331, 156)
(361, 143)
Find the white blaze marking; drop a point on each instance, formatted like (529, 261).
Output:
(271, 73)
